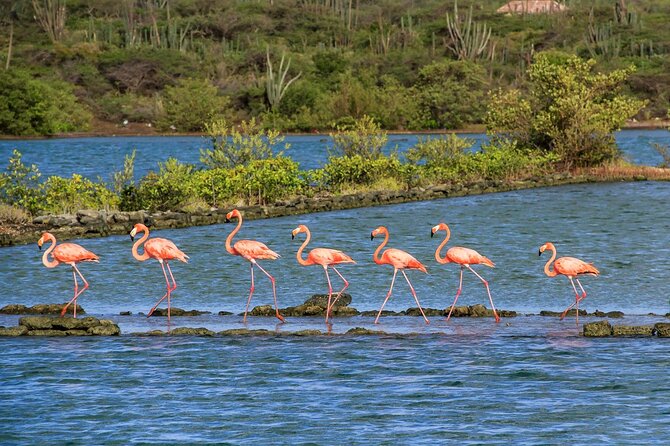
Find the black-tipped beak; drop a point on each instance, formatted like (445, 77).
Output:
(539, 252)
(39, 246)
(372, 236)
(292, 236)
(431, 233)
(227, 220)
(132, 239)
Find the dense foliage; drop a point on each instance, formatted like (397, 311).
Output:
(181, 63)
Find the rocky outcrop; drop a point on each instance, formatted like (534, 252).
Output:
(174, 311)
(572, 313)
(598, 329)
(602, 329)
(39, 309)
(51, 326)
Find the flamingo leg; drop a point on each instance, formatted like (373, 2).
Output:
(330, 291)
(486, 284)
(77, 292)
(174, 287)
(251, 292)
(415, 298)
(395, 271)
(346, 285)
(274, 292)
(458, 293)
(166, 295)
(577, 299)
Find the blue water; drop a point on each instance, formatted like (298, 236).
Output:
(99, 157)
(526, 380)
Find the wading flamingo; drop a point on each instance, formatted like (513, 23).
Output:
(464, 257)
(400, 260)
(325, 257)
(162, 250)
(251, 250)
(70, 254)
(571, 268)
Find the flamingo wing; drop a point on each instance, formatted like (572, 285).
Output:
(326, 256)
(570, 266)
(164, 249)
(251, 249)
(72, 253)
(401, 259)
(467, 256)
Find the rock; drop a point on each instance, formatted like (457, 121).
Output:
(174, 311)
(46, 333)
(302, 310)
(612, 314)
(77, 333)
(125, 313)
(414, 311)
(507, 313)
(597, 329)
(322, 300)
(360, 331)
(36, 322)
(345, 311)
(570, 313)
(105, 330)
(225, 313)
(69, 323)
(186, 331)
(373, 313)
(662, 329)
(461, 311)
(245, 332)
(52, 326)
(630, 330)
(263, 310)
(479, 310)
(39, 309)
(20, 330)
(306, 333)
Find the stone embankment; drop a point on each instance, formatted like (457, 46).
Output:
(61, 326)
(87, 223)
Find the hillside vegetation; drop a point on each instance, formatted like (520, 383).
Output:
(303, 65)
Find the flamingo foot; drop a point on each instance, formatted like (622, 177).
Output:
(280, 317)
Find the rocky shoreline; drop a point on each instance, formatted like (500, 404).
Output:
(89, 223)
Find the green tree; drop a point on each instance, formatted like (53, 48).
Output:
(190, 104)
(569, 109)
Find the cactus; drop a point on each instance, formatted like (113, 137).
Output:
(276, 84)
(468, 39)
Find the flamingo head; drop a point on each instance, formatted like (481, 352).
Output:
(232, 214)
(440, 227)
(546, 246)
(43, 239)
(298, 230)
(379, 230)
(139, 227)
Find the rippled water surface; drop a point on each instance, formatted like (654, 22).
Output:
(526, 380)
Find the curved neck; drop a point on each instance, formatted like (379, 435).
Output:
(375, 256)
(439, 248)
(45, 257)
(302, 247)
(137, 244)
(229, 239)
(547, 271)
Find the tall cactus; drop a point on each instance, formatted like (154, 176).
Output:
(468, 39)
(276, 84)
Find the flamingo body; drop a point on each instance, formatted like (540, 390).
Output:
(325, 257)
(571, 268)
(160, 249)
(400, 260)
(464, 257)
(251, 250)
(70, 254)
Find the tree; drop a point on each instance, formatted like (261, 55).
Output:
(569, 109)
(190, 104)
(50, 14)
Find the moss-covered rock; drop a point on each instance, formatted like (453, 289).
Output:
(37, 322)
(662, 329)
(54, 326)
(225, 313)
(321, 300)
(571, 313)
(186, 331)
(414, 311)
(105, 330)
(245, 332)
(373, 313)
(360, 331)
(174, 311)
(598, 329)
(262, 310)
(46, 333)
(306, 333)
(610, 314)
(20, 330)
(54, 309)
(632, 330)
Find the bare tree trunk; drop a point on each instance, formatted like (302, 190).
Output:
(50, 14)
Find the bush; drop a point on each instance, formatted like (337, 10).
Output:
(167, 189)
(268, 180)
(190, 104)
(362, 138)
(356, 170)
(68, 195)
(20, 184)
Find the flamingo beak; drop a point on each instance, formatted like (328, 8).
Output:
(539, 252)
(372, 236)
(292, 236)
(132, 234)
(432, 233)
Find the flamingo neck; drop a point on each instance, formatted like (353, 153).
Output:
(551, 272)
(45, 257)
(302, 247)
(144, 256)
(229, 239)
(375, 256)
(439, 248)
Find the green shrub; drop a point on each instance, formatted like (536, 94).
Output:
(363, 138)
(268, 180)
(190, 104)
(356, 170)
(443, 151)
(167, 189)
(20, 184)
(215, 186)
(68, 195)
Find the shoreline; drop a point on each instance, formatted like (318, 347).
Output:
(93, 224)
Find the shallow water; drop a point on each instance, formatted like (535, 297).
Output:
(527, 380)
(100, 156)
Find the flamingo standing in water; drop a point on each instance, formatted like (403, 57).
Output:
(400, 260)
(571, 268)
(251, 250)
(464, 257)
(162, 250)
(70, 254)
(325, 257)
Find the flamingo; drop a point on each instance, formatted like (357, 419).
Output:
(162, 250)
(70, 254)
(464, 257)
(571, 268)
(251, 250)
(325, 257)
(400, 260)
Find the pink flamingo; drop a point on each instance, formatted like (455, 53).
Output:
(70, 254)
(571, 268)
(325, 257)
(464, 257)
(251, 250)
(400, 260)
(162, 250)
